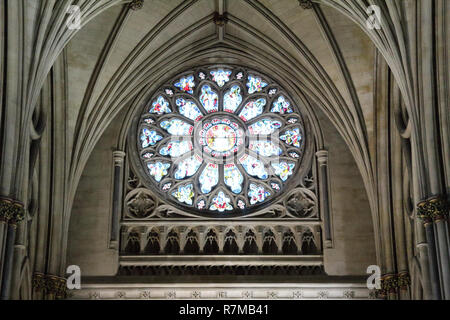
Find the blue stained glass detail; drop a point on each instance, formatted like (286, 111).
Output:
(221, 76)
(160, 106)
(255, 84)
(188, 167)
(209, 99)
(281, 106)
(176, 148)
(254, 167)
(253, 109)
(233, 178)
(177, 127)
(158, 170)
(149, 138)
(265, 127)
(185, 194)
(209, 178)
(265, 148)
(221, 203)
(283, 169)
(257, 193)
(232, 99)
(189, 109)
(186, 84)
(292, 137)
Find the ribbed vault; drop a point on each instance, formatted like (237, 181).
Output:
(173, 45)
(88, 80)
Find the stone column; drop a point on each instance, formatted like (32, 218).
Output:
(434, 213)
(118, 157)
(11, 212)
(425, 212)
(324, 196)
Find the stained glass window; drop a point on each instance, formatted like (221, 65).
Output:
(220, 140)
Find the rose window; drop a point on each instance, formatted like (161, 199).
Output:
(220, 140)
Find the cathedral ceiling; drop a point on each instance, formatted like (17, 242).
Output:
(320, 55)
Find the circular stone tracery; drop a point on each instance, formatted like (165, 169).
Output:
(220, 139)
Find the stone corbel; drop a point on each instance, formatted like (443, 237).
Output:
(136, 5)
(305, 4)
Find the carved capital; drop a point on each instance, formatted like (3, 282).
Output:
(39, 281)
(388, 284)
(50, 285)
(118, 157)
(11, 211)
(433, 209)
(322, 157)
(220, 19)
(136, 5)
(305, 4)
(391, 283)
(403, 280)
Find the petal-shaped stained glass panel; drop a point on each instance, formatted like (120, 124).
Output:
(209, 99)
(294, 155)
(209, 178)
(186, 84)
(255, 84)
(283, 169)
(241, 204)
(201, 204)
(149, 137)
(253, 166)
(281, 106)
(160, 106)
(253, 109)
(264, 127)
(292, 137)
(265, 148)
(221, 76)
(188, 167)
(275, 186)
(257, 193)
(185, 194)
(189, 109)
(158, 170)
(232, 99)
(176, 148)
(177, 127)
(221, 203)
(233, 178)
